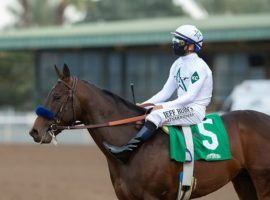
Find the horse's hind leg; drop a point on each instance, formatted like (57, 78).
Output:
(261, 180)
(244, 187)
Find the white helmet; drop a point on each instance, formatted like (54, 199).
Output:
(190, 34)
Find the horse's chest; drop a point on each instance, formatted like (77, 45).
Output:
(128, 189)
(121, 189)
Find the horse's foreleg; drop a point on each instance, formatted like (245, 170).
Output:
(261, 180)
(244, 187)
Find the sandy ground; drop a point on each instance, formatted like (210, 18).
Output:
(35, 172)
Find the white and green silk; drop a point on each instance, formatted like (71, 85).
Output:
(192, 79)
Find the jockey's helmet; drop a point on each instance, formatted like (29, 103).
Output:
(187, 34)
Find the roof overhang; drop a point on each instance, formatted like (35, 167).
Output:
(136, 32)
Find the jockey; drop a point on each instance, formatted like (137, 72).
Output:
(192, 79)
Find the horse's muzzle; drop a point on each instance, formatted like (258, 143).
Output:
(35, 135)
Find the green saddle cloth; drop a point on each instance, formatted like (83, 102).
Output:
(210, 140)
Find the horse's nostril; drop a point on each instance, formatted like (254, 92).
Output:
(33, 133)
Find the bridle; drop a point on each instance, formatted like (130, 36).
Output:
(77, 124)
(70, 97)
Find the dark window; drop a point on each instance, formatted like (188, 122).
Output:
(256, 60)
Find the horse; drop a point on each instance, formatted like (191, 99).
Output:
(149, 173)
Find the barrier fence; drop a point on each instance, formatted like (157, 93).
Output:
(14, 128)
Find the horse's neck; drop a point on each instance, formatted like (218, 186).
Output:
(100, 107)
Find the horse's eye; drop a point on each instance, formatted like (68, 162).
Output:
(56, 97)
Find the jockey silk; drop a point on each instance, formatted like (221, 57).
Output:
(192, 79)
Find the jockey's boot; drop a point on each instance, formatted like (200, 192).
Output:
(123, 152)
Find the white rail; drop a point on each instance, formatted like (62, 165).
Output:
(14, 128)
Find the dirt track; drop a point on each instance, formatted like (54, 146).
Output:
(37, 172)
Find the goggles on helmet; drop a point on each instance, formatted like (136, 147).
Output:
(179, 41)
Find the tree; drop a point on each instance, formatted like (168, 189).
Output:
(236, 7)
(40, 12)
(107, 10)
(16, 73)
(52, 12)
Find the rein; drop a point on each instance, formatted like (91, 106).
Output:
(55, 127)
(77, 125)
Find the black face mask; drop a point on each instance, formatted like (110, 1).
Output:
(178, 46)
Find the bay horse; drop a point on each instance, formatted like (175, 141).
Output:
(150, 174)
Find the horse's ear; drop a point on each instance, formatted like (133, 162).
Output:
(66, 71)
(59, 74)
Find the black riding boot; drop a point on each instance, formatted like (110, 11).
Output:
(123, 152)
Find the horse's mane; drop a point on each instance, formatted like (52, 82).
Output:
(116, 98)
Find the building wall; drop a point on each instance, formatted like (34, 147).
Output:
(114, 70)
(148, 67)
